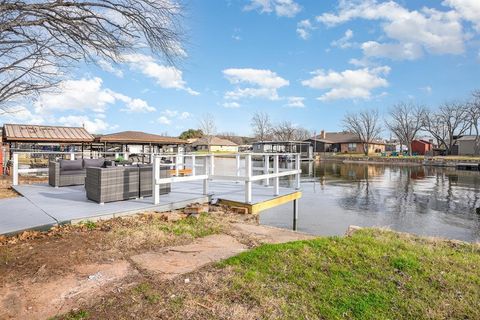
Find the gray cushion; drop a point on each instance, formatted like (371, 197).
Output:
(74, 173)
(67, 165)
(93, 163)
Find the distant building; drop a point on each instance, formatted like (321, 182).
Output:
(422, 147)
(465, 145)
(303, 147)
(214, 145)
(344, 142)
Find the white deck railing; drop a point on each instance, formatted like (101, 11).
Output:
(209, 172)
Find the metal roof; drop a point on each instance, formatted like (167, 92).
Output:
(36, 133)
(138, 137)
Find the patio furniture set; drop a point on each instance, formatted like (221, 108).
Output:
(105, 181)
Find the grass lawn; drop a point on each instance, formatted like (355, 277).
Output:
(370, 275)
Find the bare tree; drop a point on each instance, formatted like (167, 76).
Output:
(40, 39)
(302, 134)
(284, 131)
(473, 111)
(208, 127)
(446, 123)
(261, 126)
(406, 120)
(366, 125)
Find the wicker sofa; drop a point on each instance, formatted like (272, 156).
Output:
(63, 173)
(121, 183)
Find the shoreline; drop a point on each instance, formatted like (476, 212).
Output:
(445, 163)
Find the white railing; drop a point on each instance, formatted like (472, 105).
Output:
(209, 172)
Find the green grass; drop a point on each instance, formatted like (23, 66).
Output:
(73, 315)
(202, 226)
(370, 275)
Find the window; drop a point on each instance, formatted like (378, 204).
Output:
(352, 147)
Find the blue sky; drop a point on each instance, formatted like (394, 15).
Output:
(307, 62)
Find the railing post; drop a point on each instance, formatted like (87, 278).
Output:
(276, 180)
(15, 169)
(125, 156)
(194, 170)
(152, 155)
(72, 156)
(212, 165)
(155, 176)
(117, 155)
(176, 165)
(297, 167)
(237, 168)
(248, 176)
(205, 181)
(266, 169)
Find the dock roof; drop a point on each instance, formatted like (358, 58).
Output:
(138, 137)
(37, 133)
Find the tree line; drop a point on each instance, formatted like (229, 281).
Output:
(265, 130)
(406, 120)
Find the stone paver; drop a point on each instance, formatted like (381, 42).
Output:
(184, 259)
(267, 234)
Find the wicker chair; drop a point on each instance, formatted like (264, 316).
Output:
(112, 184)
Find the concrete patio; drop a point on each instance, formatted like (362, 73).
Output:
(43, 206)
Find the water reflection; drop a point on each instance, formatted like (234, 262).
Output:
(423, 200)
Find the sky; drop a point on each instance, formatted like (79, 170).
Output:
(307, 62)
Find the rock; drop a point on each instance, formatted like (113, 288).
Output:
(195, 216)
(351, 230)
(196, 208)
(187, 280)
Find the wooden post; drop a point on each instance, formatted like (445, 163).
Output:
(237, 166)
(297, 167)
(266, 169)
(276, 180)
(155, 176)
(248, 176)
(15, 169)
(295, 214)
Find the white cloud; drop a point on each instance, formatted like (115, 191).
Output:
(164, 120)
(430, 30)
(295, 102)
(265, 82)
(468, 9)
(348, 84)
(395, 51)
(303, 29)
(91, 125)
(344, 42)
(282, 8)
(426, 89)
(107, 66)
(79, 95)
(23, 115)
(167, 77)
(87, 94)
(169, 115)
(231, 105)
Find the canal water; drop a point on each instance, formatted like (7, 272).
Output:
(428, 201)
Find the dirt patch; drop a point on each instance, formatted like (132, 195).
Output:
(6, 190)
(35, 299)
(179, 260)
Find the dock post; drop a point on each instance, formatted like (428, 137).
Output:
(155, 176)
(266, 169)
(295, 214)
(297, 167)
(248, 176)
(15, 169)
(205, 181)
(276, 180)
(176, 165)
(237, 162)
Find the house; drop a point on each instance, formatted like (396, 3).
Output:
(303, 147)
(138, 142)
(214, 144)
(344, 142)
(422, 147)
(465, 145)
